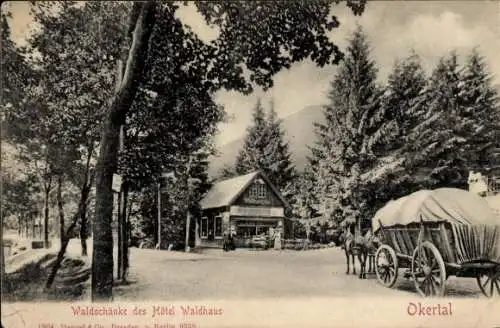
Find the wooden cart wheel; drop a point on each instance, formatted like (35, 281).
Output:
(386, 265)
(428, 270)
(489, 283)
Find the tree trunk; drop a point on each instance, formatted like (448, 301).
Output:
(60, 256)
(65, 241)
(85, 192)
(83, 230)
(102, 255)
(46, 217)
(34, 233)
(61, 208)
(5, 287)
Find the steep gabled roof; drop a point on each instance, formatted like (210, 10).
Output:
(225, 192)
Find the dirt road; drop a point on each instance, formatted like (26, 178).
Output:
(162, 275)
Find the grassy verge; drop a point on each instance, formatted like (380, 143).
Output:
(28, 283)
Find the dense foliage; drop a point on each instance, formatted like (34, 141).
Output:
(266, 149)
(381, 143)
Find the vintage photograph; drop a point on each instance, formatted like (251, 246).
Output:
(191, 164)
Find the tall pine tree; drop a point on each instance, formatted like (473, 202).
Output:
(342, 152)
(251, 155)
(279, 164)
(434, 131)
(458, 129)
(480, 113)
(437, 149)
(266, 149)
(401, 106)
(401, 102)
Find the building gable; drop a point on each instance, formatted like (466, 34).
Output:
(250, 189)
(259, 193)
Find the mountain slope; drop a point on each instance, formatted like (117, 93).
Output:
(299, 131)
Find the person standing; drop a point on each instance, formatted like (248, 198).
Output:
(226, 238)
(277, 239)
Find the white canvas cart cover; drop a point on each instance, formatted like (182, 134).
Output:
(453, 205)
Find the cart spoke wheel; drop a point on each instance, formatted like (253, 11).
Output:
(489, 283)
(428, 270)
(386, 265)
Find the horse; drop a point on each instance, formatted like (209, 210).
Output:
(367, 245)
(347, 240)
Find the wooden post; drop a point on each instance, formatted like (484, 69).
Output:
(121, 231)
(188, 220)
(188, 214)
(159, 215)
(126, 232)
(119, 228)
(196, 232)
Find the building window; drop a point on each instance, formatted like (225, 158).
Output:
(262, 230)
(245, 231)
(211, 227)
(218, 226)
(250, 229)
(204, 227)
(258, 191)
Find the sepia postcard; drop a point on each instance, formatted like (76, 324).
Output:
(301, 163)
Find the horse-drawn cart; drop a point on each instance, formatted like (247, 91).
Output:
(436, 234)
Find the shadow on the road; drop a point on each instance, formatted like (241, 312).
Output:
(451, 289)
(126, 283)
(204, 259)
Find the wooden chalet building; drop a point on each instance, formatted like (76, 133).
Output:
(248, 205)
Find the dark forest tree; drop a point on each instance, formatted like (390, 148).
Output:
(342, 152)
(278, 152)
(266, 149)
(251, 155)
(15, 75)
(480, 112)
(171, 122)
(450, 124)
(78, 72)
(75, 69)
(438, 160)
(401, 106)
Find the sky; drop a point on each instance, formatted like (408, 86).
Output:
(431, 28)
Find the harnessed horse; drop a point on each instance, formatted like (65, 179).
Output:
(367, 247)
(363, 247)
(347, 239)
